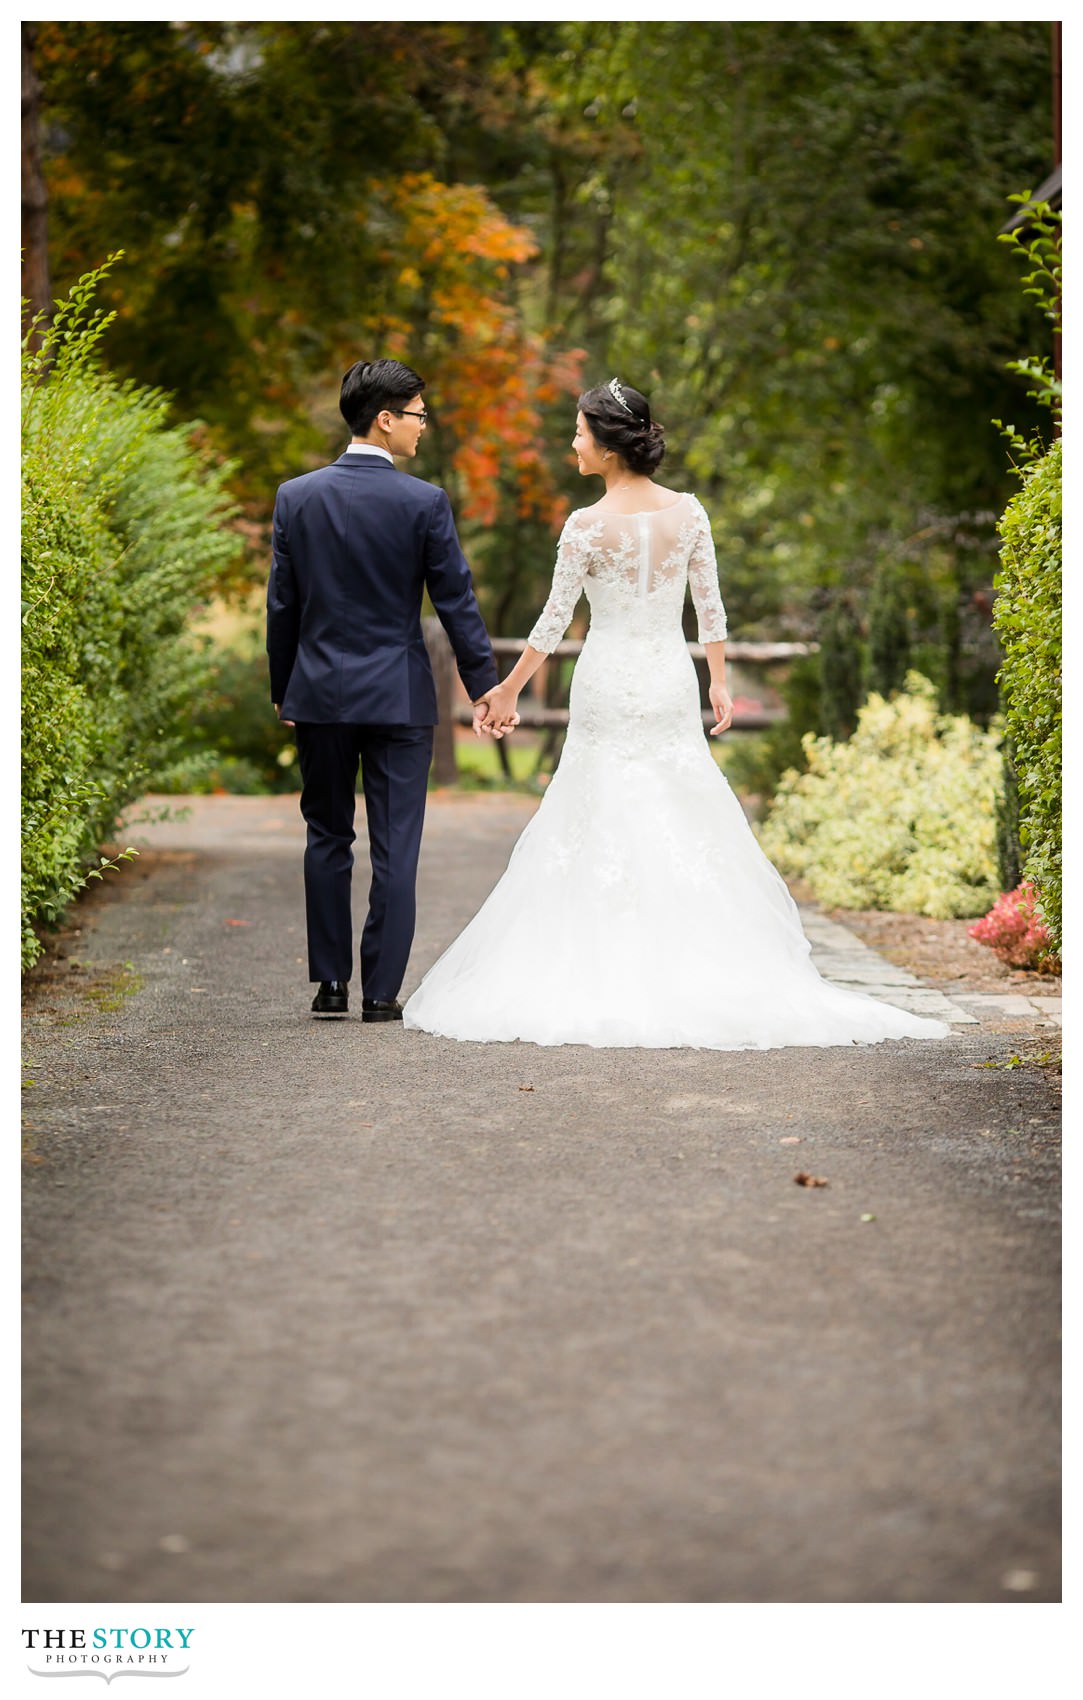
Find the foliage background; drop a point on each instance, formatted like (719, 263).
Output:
(784, 232)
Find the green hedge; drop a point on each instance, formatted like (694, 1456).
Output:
(123, 535)
(1027, 617)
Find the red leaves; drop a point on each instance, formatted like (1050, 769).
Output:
(1015, 930)
(488, 376)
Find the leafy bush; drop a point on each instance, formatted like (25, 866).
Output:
(1014, 930)
(239, 744)
(902, 816)
(1027, 616)
(1027, 611)
(122, 535)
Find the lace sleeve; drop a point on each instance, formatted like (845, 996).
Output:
(703, 581)
(573, 559)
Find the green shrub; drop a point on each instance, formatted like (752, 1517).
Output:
(902, 816)
(1027, 611)
(1027, 616)
(239, 744)
(122, 536)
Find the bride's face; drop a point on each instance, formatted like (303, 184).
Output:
(587, 452)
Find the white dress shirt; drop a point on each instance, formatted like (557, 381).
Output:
(367, 449)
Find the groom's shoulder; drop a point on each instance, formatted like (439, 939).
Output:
(392, 483)
(303, 481)
(419, 490)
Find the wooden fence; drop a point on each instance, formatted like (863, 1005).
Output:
(550, 716)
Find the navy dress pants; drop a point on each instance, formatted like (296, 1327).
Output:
(394, 764)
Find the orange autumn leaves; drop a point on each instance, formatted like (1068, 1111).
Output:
(455, 315)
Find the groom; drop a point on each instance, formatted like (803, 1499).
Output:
(355, 546)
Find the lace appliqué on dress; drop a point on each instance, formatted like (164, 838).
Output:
(641, 555)
(703, 579)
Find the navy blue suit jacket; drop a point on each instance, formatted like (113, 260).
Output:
(355, 546)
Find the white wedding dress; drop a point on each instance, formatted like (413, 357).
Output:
(637, 907)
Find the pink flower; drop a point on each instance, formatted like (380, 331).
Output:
(1015, 931)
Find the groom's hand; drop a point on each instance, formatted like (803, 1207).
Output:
(278, 711)
(495, 725)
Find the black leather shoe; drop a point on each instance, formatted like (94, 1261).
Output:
(333, 998)
(375, 1009)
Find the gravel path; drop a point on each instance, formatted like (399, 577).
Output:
(331, 1312)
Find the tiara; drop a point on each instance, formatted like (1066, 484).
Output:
(618, 394)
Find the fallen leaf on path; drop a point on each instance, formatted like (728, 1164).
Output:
(1019, 1581)
(238, 923)
(526, 1088)
(868, 1217)
(809, 1180)
(790, 1139)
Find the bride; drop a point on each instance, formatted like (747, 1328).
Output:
(637, 907)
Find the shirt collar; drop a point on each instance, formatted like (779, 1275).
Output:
(368, 449)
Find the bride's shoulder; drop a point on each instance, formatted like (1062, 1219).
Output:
(581, 519)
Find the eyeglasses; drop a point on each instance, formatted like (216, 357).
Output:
(404, 413)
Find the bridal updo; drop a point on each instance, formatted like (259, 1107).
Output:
(619, 418)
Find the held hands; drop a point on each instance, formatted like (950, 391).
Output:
(495, 712)
(722, 703)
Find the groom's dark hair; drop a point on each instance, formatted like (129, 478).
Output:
(370, 386)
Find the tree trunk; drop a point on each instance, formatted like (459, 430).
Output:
(35, 200)
(445, 767)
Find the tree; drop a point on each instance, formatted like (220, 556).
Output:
(798, 262)
(782, 230)
(841, 667)
(889, 633)
(35, 201)
(254, 271)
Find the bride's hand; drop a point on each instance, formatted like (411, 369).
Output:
(508, 726)
(722, 703)
(500, 716)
